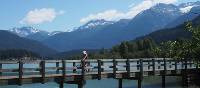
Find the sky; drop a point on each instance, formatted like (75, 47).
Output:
(65, 15)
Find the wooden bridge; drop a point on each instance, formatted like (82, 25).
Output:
(74, 71)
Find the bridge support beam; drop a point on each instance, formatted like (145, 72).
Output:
(57, 65)
(139, 83)
(20, 73)
(163, 81)
(80, 85)
(61, 85)
(120, 83)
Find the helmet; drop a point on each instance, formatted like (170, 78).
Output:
(84, 52)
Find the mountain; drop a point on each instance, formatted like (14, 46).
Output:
(154, 18)
(190, 11)
(172, 34)
(98, 34)
(54, 33)
(32, 33)
(39, 36)
(186, 7)
(95, 24)
(24, 31)
(11, 41)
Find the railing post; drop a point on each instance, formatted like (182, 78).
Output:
(141, 74)
(20, 72)
(138, 65)
(99, 69)
(159, 64)
(63, 74)
(149, 65)
(83, 68)
(57, 66)
(190, 62)
(128, 67)
(154, 67)
(197, 64)
(164, 73)
(82, 82)
(182, 63)
(74, 66)
(185, 73)
(175, 64)
(42, 72)
(114, 68)
(102, 64)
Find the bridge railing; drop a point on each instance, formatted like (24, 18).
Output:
(43, 68)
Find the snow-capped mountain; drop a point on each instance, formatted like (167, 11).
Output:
(24, 31)
(190, 11)
(101, 33)
(32, 33)
(165, 8)
(186, 7)
(54, 33)
(95, 23)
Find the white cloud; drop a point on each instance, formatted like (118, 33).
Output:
(108, 15)
(38, 16)
(114, 15)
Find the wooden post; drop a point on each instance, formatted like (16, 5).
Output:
(20, 72)
(149, 65)
(163, 81)
(83, 68)
(1, 69)
(154, 66)
(175, 64)
(82, 82)
(99, 69)
(197, 64)
(119, 83)
(63, 74)
(114, 68)
(57, 66)
(182, 63)
(190, 62)
(164, 73)
(185, 73)
(165, 66)
(158, 63)
(139, 83)
(102, 64)
(80, 85)
(128, 68)
(141, 74)
(74, 67)
(42, 72)
(138, 65)
(141, 68)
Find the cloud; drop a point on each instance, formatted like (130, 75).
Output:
(114, 15)
(108, 15)
(38, 16)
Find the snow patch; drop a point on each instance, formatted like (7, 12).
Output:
(186, 9)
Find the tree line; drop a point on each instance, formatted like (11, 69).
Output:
(15, 54)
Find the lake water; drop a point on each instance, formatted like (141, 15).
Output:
(150, 82)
